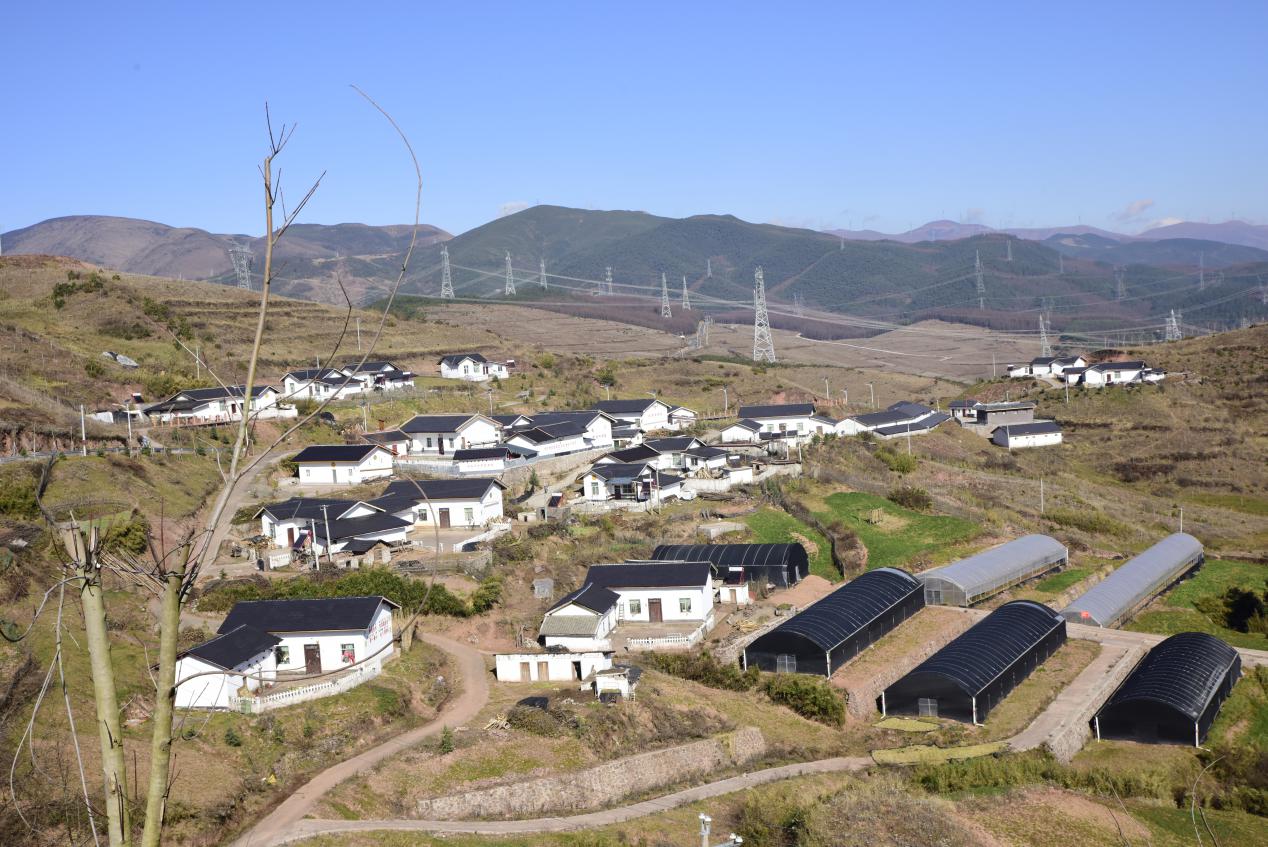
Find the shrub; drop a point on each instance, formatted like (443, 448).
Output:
(93, 369)
(131, 536)
(910, 497)
(808, 696)
(232, 738)
(446, 741)
(17, 493)
(900, 463)
(487, 595)
(1088, 521)
(536, 721)
(704, 668)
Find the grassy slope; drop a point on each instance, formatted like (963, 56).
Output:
(771, 526)
(902, 536)
(1175, 611)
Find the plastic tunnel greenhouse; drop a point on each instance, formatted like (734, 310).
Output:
(967, 581)
(1117, 597)
(781, 565)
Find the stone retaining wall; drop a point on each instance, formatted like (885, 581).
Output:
(1069, 737)
(861, 700)
(599, 786)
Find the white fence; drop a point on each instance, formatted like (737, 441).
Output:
(304, 693)
(674, 641)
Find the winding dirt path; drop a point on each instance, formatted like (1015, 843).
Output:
(281, 824)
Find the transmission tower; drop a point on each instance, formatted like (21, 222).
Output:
(542, 267)
(1045, 346)
(1009, 242)
(1049, 303)
(510, 276)
(1172, 331)
(665, 311)
(607, 281)
(1201, 271)
(763, 343)
(446, 280)
(1120, 283)
(686, 297)
(708, 268)
(241, 258)
(981, 286)
(1263, 294)
(799, 304)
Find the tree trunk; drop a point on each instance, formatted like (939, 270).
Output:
(107, 699)
(164, 703)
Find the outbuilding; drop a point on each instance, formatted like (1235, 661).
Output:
(1113, 600)
(973, 674)
(780, 565)
(343, 464)
(1174, 694)
(1023, 435)
(210, 675)
(581, 619)
(977, 577)
(837, 628)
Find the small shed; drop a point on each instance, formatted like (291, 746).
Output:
(1121, 594)
(1023, 435)
(1174, 694)
(969, 677)
(781, 565)
(967, 581)
(840, 626)
(544, 588)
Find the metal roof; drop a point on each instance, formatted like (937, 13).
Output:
(1105, 603)
(849, 609)
(650, 575)
(437, 423)
(736, 555)
(977, 657)
(778, 410)
(1000, 565)
(596, 598)
(626, 407)
(928, 422)
(234, 647)
(335, 452)
(1032, 428)
(1183, 672)
(471, 488)
(322, 615)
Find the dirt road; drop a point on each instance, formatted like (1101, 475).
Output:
(280, 825)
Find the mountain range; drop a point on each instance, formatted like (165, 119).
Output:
(812, 278)
(1229, 232)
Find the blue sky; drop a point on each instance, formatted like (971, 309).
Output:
(823, 115)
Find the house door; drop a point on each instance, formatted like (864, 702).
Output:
(290, 536)
(312, 658)
(543, 671)
(654, 613)
(440, 444)
(444, 518)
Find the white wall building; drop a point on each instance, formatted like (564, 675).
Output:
(648, 415)
(343, 464)
(581, 620)
(441, 435)
(1022, 435)
(796, 422)
(210, 675)
(657, 592)
(466, 502)
(549, 666)
(198, 406)
(472, 367)
(633, 482)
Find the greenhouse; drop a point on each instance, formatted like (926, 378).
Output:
(967, 581)
(1121, 594)
(840, 626)
(781, 565)
(972, 675)
(1174, 694)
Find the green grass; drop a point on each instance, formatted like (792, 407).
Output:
(771, 526)
(1243, 719)
(1175, 611)
(903, 535)
(923, 754)
(1237, 502)
(1059, 582)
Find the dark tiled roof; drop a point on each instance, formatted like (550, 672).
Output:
(551, 432)
(388, 436)
(624, 407)
(321, 615)
(443, 489)
(473, 453)
(1035, 428)
(593, 597)
(456, 358)
(436, 423)
(335, 452)
(372, 524)
(369, 367)
(747, 423)
(778, 410)
(304, 507)
(671, 445)
(650, 575)
(619, 470)
(632, 455)
(925, 424)
(234, 647)
(1119, 366)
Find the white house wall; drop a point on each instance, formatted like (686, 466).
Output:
(477, 433)
(378, 636)
(376, 465)
(701, 603)
(209, 687)
(488, 508)
(509, 667)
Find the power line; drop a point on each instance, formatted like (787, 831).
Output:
(763, 342)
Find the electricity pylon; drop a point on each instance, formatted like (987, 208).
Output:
(763, 343)
(607, 281)
(1120, 283)
(686, 296)
(510, 276)
(1172, 331)
(665, 311)
(1045, 346)
(241, 258)
(446, 280)
(542, 266)
(981, 286)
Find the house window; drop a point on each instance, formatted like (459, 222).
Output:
(451, 442)
(684, 605)
(785, 663)
(594, 489)
(636, 607)
(469, 515)
(282, 655)
(422, 515)
(348, 653)
(429, 442)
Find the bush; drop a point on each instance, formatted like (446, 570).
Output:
(446, 741)
(17, 493)
(412, 595)
(910, 497)
(487, 595)
(232, 738)
(536, 721)
(1088, 521)
(131, 536)
(808, 696)
(900, 463)
(93, 369)
(704, 668)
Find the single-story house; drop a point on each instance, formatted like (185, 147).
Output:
(378, 376)
(797, 422)
(286, 523)
(366, 526)
(744, 431)
(472, 367)
(635, 481)
(1117, 373)
(680, 417)
(550, 665)
(217, 405)
(648, 415)
(482, 460)
(657, 591)
(553, 439)
(391, 439)
(343, 464)
(894, 421)
(211, 674)
(985, 418)
(1033, 434)
(581, 619)
(1046, 366)
(320, 636)
(318, 384)
(466, 502)
(598, 425)
(681, 452)
(440, 435)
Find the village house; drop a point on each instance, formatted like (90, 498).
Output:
(473, 367)
(680, 417)
(263, 642)
(1022, 435)
(744, 431)
(390, 439)
(581, 620)
(378, 376)
(553, 665)
(1050, 366)
(441, 435)
(469, 502)
(343, 464)
(657, 592)
(634, 482)
(985, 418)
(286, 523)
(1114, 373)
(361, 529)
(899, 420)
(650, 415)
(795, 423)
(598, 425)
(685, 453)
(485, 460)
(204, 406)
(553, 439)
(318, 384)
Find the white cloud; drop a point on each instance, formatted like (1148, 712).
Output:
(1154, 224)
(973, 216)
(1133, 210)
(512, 206)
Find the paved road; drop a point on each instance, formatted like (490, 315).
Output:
(309, 828)
(280, 824)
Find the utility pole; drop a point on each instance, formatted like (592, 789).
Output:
(198, 361)
(827, 395)
(365, 417)
(1120, 283)
(330, 558)
(726, 402)
(358, 333)
(1041, 495)
(542, 268)
(127, 410)
(510, 276)
(1182, 519)
(763, 342)
(871, 390)
(708, 268)
(845, 396)
(665, 311)
(83, 430)
(686, 297)
(992, 365)
(980, 285)
(607, 281)
(446, 276)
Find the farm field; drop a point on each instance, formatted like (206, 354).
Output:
(900, 537)
(771, 526)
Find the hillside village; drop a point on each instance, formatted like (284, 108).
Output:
(894, 584)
